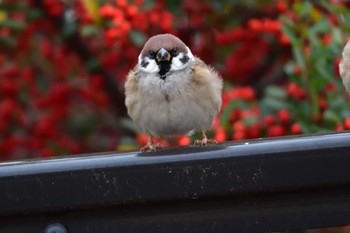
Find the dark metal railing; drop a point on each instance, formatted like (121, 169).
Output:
(267, 185)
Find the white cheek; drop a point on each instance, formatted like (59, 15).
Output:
(189, 54)
(152, 66)
(178, 65)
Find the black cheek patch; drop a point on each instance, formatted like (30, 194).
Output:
(144, 63)
(184, 59)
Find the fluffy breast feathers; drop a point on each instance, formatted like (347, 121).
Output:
(186, 101)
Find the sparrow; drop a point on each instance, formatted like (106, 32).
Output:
(344, 67)
(172, 92)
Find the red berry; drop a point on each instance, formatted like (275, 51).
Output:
(295, 91)
(295, 128)
(269, 120)
(297, 70)
(9, 88)
(220, 134)
(184, 140)
(9, 144)
(347, 123)
(238, 126)
(142, 139)
(122, 3)
(131, 10)
(44, 128)
(248, 93)
(284, 116)
(276, 131)
(46, 153)
(327, 39)
(7, 108)
(216, 122)
(255, 24)
(107, 10)
(322, 103)
(333, 19)
(97, 81)
(339, 128)
(284, 39)
(253, 131)
(238, 135)
(281, 6)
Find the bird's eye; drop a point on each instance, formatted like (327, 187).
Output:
(152, 54)
(174, 52)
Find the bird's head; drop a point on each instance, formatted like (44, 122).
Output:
(164, 53)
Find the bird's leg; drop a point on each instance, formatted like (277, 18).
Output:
(204, 140)
(150, 146)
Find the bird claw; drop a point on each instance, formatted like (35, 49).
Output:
(151, 147)
(204, 142)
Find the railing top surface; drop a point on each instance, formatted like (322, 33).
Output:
(301, 181)
(305, 145)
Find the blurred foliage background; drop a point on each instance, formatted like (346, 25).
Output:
(63, 64)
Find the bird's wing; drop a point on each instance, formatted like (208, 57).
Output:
(206, 84)
(131, 91)
(344, 67)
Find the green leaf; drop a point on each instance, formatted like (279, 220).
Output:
(275, 92)
(127, 123)
(147, 5)
(313, 37)
(286, 21)
(299, 57)
(301, 109)
(337, 35)
(318, 82)
(289, 68)
(7, 41)
(338, 103)
(274, 99)
(89, 30)
(250, 120)
(138, 38)
(270, 104)
(34, 14)
(303, 9)
(13, 24)
(324, 72)
(93, 64)
(331, 117)
(321, 27)
(81, 125)
(128, 141)
(69, 29)
(291, 34)
(307, 126)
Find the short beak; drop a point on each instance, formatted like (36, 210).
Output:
(163, 55)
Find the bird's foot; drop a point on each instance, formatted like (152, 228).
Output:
(151, 147)
(204, 141)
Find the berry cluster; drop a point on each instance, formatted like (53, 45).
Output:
(52, 101)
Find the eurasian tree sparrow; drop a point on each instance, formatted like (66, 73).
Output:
(344, 67)
(171, 92)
